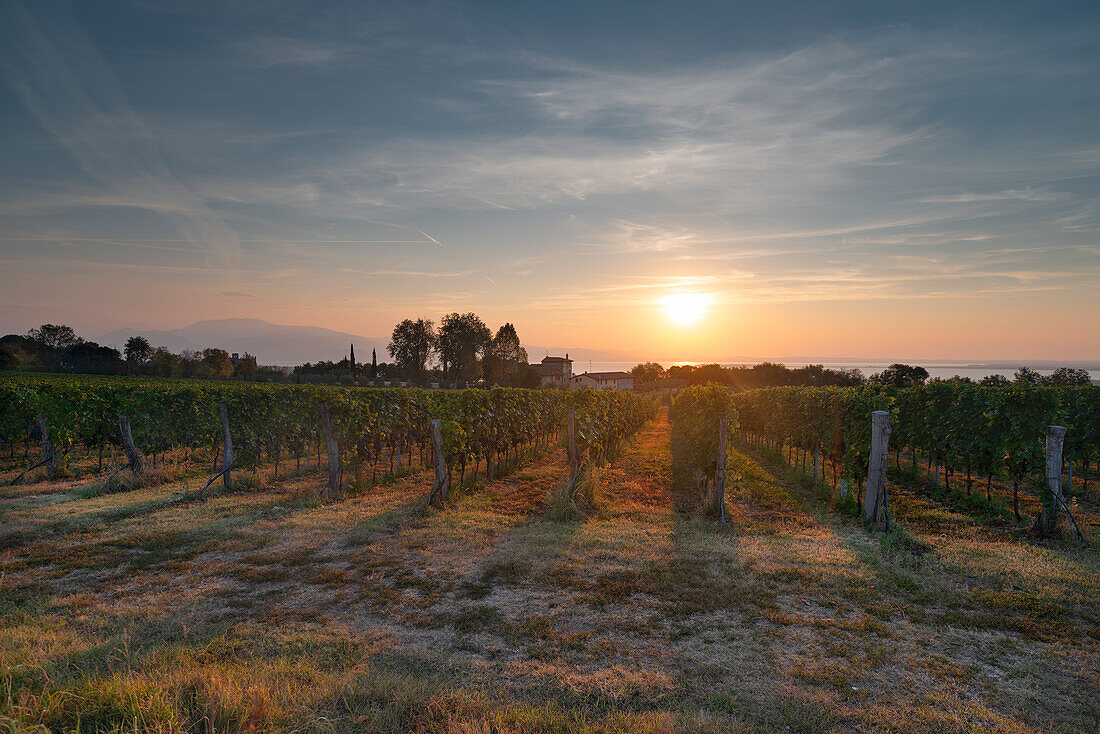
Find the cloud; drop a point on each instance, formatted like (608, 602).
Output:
(844, 170)
(1025, 194)
(69, 88)
(269, 52)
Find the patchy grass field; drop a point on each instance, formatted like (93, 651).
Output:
(269, 610)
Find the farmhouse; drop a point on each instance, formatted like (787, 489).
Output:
(603, 381)
(554, 371)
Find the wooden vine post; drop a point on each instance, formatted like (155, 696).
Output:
(1048, 516)
(227, 452)
(492, 451)
(47, 447)
(440, 461)
(720, 470)
(133, 456)
(572, 431)
(333, 448)
(874, 502)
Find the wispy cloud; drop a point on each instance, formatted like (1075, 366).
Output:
(66, 84)
(269, 52)
(1025, 194)
(450, 164)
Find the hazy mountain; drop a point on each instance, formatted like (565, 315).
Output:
(273, 344)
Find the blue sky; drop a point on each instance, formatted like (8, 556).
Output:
(863, 179)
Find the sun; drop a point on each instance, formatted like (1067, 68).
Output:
(685, 309)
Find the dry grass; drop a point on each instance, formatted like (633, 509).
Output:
(272, 610)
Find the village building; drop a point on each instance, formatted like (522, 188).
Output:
(554, 371)
(603, 381)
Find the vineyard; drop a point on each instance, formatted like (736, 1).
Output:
(277, 423)
(278, 604)
(962, 432)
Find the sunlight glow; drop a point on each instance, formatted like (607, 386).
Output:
(685, 309)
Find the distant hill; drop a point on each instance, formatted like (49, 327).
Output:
(271, 344)
(279, 344)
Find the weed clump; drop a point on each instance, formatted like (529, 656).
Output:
(576, 498)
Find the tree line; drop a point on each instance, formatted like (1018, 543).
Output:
(461, 351)
(57, 348)
(772, 374)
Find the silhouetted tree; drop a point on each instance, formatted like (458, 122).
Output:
(54, 337)
(954, 380)
(137, 351)
(91, 358)
(246, 366)
(50, 342)
(463, 339)
(505, 357)
(1068, 377)
(411, 344)
(647, 372)
(901, 375)
(1027, 376)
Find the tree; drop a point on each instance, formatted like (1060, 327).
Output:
(137, 351)
(50, 342)
(215, 363)
(1027, 376)
(528, 377)
(505, 357)
(246, 366)
(373, 363)
(463, 339)
(1068, 377)
(91, 358)
(647, 372)
(847, 378)
(8, 358)
(954, 380)
(995, 381)
(411, 344)
(54, 337)
(901, 375)
(772, 373)
(163, 363)
(22, 352)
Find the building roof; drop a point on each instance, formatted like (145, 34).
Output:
(549, 359)
(606, 375)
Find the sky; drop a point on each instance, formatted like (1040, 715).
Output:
(841, 180)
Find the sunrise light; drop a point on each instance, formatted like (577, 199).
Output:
(685, 309)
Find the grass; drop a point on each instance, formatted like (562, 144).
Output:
(627, 610)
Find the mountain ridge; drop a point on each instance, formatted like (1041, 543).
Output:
(271, 344)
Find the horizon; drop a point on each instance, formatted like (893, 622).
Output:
(691, 183)
(594, 356)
